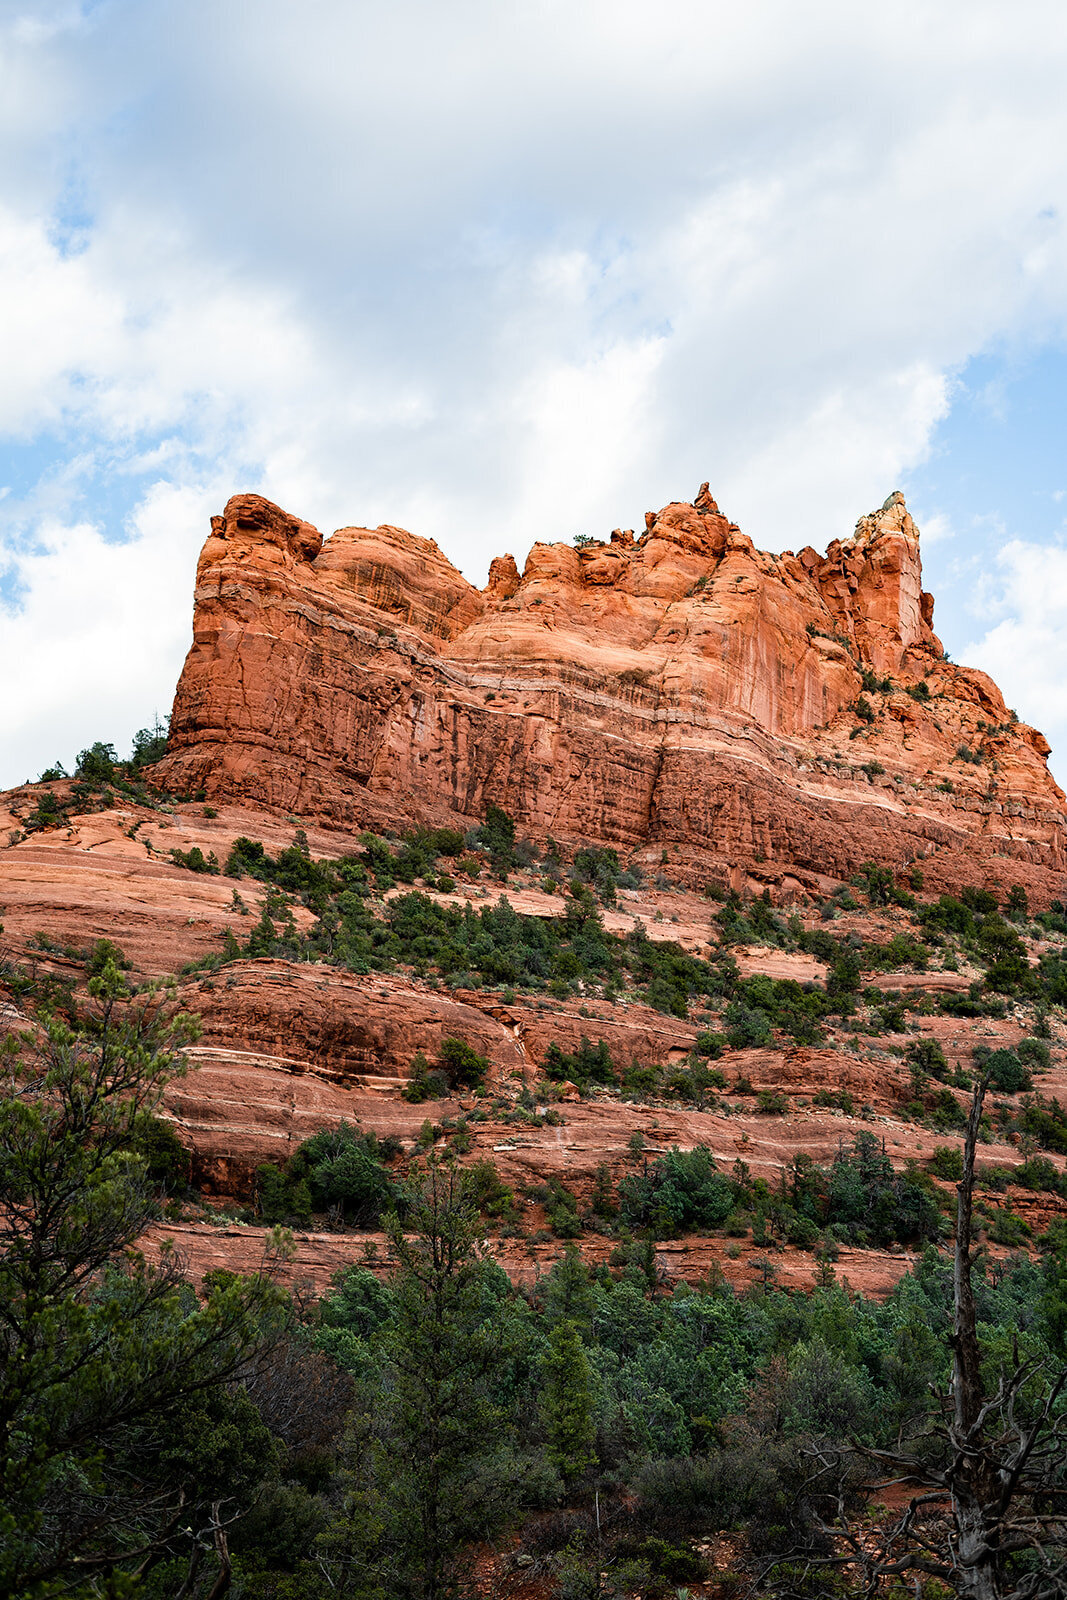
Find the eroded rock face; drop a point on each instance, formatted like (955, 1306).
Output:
(680, 688)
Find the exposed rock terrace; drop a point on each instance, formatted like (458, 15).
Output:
(681, 688)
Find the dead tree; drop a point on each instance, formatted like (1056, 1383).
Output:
(997, 1488)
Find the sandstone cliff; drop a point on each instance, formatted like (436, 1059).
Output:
(680, 689)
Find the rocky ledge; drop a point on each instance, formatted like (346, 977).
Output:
(767, 717)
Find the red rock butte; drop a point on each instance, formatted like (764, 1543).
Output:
(681, 689)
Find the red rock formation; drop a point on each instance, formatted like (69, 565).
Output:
(680, 689)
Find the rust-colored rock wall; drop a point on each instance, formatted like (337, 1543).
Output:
(681, 687)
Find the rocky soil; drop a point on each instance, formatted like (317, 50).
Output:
(290, 1047)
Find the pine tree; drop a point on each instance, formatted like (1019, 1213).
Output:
(445, 1348)
(112, 1376)
(568, 1403)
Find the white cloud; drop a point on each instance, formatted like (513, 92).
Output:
(496, 273)
(1026, 652)
(99, 638)
(936, 528)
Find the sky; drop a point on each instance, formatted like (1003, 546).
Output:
(507, 270)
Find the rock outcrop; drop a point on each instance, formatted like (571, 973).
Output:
(682, 689)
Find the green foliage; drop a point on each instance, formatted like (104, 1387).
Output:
(797, 1009)
(1004, 1069)
(947, 915)
(602, 1200)
(1017, 905)
(497, 835)
(567, 1403)
(488, 1194)
(1009, 1229)
(426, 1082)
(751, 922)
(1001, 946)
(981, 901)
(878, 882)
(695, 1083)
(1034, 1053)
(747, 1027)
(102, 1355)
(845, 974)
(98, 770)
(279, 1197)
(419, 1484)
(464, 946)
(599, 867)
(873, 1202)
(589, 1064)
(461, 1064)
(1041, 1175)
(561, 1206)
(945, 1112)
(48, 813)
(343, 1169)
(194, 860)
(970, 1005)
(167, 1163)
(1045, 1120)
(928, 1056)
(149, 745)
(947, 1162)
(97, 764)
(838, 1099)
(900, 951)
(683, 1191)
(772, 1103)
(873, 684)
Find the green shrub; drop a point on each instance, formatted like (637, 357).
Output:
(425, 1083)
(279, 1198)
(168, 1163)
(461, 1064)
(599, 867)
(97, 764)
(928, 1056)
(1009, 1229)
(561, 1207)
(488, 1192)
(772, 1103)
(1040, 1174)
(746, 1027)
(1046, 1121)
(947, 1162)
(497, 835)
(589, 1064)
(682, 1191)
(945, 1111)
(343, 1167)
(447, 842)
(194, 860)
(796, 1009)
(1034, 1053)
(1004, 1069)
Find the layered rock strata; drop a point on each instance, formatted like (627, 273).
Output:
(681, 689)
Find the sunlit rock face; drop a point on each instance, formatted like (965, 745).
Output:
(680, 688)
